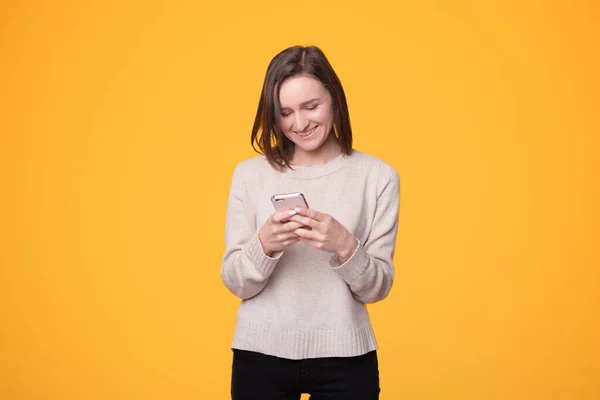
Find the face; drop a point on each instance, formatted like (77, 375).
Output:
(306, 115)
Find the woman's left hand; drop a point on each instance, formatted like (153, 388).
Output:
(326, 233)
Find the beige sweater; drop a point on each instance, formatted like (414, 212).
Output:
(301, 303)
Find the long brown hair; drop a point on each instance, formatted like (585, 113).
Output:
(293, 61)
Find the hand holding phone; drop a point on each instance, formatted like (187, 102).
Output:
(278, 231)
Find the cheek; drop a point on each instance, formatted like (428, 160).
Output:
(324, 116)
(284, 124)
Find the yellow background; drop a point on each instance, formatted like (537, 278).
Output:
(121, 125)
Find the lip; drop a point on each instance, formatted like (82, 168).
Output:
(311, 130)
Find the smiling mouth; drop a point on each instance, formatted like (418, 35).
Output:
(307, 133)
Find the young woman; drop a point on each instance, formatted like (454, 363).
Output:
(304, 275)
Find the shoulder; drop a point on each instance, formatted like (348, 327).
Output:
(250, 167)
(383, 170)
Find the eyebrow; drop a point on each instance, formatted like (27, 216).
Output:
(304, 103)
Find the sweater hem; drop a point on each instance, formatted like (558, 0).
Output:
(303, 344)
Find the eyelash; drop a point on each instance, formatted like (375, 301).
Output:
(311, 108)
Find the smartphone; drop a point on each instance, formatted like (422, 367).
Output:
(288, 201)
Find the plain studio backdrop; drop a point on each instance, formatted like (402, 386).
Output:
(121, 124)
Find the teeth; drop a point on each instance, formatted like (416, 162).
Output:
(308, 133)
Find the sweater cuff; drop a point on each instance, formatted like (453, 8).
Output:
(256, 254)
(353, 267)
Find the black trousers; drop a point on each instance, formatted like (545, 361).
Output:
(258, 376)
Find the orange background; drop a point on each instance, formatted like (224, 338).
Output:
(120, 126)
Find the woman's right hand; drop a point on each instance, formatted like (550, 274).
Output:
(278, 233)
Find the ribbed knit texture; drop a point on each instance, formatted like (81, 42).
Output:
(301, 303)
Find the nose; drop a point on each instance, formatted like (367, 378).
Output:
(300, 122)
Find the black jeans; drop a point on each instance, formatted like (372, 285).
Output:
(258, 376)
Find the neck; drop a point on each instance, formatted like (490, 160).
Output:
(327, 152)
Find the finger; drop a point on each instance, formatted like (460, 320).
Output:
(279, 216)
(290, 226)
(291, 241)
(286, 227)
(310, 213)
(317, 245)
(312, 235)
(286, 236)
(313, 223)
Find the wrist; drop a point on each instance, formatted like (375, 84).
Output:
(347, 250)
(265, 250)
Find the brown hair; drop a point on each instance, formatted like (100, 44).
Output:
(293, 61)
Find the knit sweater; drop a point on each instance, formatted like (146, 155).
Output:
(301, 302)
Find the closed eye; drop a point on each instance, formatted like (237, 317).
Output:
(310, 108)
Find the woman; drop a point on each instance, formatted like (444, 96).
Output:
(304, 275)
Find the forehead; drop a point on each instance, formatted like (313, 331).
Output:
(299, 89)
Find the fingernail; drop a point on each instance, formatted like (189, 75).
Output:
(296, 210)
(293, 212)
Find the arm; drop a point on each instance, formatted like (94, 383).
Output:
(245, 268)
(369, 271)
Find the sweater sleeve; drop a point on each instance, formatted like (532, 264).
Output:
(369, 272)
(245, 268)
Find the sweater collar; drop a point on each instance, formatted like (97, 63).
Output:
(316, 171)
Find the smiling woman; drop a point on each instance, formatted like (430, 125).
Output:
(302, 325)
(307, 123)
(302, 92)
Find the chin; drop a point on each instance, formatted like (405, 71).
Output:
(309, 147)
